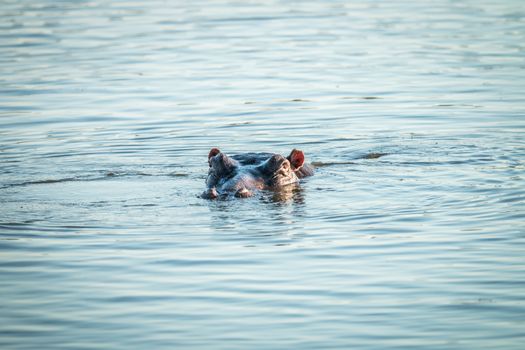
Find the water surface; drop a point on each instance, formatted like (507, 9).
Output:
(410, 235)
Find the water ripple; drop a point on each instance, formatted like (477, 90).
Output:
(410, 234)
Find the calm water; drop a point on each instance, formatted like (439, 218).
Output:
(108, 111)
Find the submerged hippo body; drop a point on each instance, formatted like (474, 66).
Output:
(241, 174)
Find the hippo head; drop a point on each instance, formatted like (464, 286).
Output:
(243, 173)
(280, 171)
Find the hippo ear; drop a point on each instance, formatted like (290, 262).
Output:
(296, 159)
(213, 153)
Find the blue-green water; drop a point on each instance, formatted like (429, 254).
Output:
(108, 111)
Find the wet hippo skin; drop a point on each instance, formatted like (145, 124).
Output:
(240, 175)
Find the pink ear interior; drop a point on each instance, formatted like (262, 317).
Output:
(296, 158)
(213, 153)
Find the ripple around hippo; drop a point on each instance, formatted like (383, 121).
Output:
(242, 174)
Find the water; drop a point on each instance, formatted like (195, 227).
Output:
(108, 111)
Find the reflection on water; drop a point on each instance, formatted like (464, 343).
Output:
(282, 209)
(409, 235)
(292, 193)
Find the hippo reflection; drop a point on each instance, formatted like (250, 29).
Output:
(241, 174)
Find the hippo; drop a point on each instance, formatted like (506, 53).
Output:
(240, 175)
